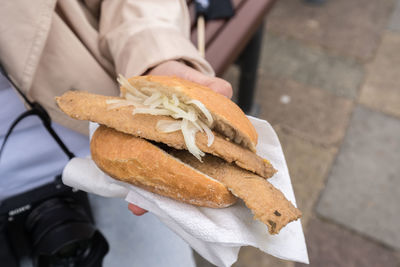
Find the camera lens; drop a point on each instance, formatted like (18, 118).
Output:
(74, 250)
(62, 234)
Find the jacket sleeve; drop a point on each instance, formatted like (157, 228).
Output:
(140, 34)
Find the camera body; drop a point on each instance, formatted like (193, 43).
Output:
(51, 224)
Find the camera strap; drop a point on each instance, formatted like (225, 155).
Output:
(35, 109)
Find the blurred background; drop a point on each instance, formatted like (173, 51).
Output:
(328, 81)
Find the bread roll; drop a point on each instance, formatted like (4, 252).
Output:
(141, 163)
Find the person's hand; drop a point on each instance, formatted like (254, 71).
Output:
(138, 211)
(185, 72)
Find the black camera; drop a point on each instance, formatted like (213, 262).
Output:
(53, 226)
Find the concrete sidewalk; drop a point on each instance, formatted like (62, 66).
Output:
(329, 83)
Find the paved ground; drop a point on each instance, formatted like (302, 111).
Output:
(337, 66)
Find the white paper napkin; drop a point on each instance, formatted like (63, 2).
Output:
(216, 234)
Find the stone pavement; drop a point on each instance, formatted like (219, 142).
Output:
(329, 83)
(363, 190)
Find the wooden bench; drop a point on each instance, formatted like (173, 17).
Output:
(236, 40)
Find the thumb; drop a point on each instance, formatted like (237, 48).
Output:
(220, 86)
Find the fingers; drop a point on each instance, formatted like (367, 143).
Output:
(185, 72)
(221, 86)
(138, 211)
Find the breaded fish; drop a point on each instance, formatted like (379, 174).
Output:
(267, 203)
(86, 106)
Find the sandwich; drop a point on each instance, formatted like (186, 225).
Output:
(181, 140)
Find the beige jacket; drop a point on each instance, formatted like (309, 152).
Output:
(50, 46)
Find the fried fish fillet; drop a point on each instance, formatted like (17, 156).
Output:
(86, 106)
(267, 203)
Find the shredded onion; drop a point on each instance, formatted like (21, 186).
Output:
(195, 124)
(117, 103)
(175, 100)
(150, 101)
(203, 109)
(165, 126)
(209, 133)
(148, 90)
(189, 134)
(156, 103)
(154, 97)
(133, 98)
(192, 114)
(125, 83)
(179, 113)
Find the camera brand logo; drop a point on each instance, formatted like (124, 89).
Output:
(19, 210)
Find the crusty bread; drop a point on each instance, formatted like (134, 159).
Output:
(87, 106)
(229, 119)
(138, 162)
(179, 175)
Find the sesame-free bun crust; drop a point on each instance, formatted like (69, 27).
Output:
(139, 162)
(229, 119)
